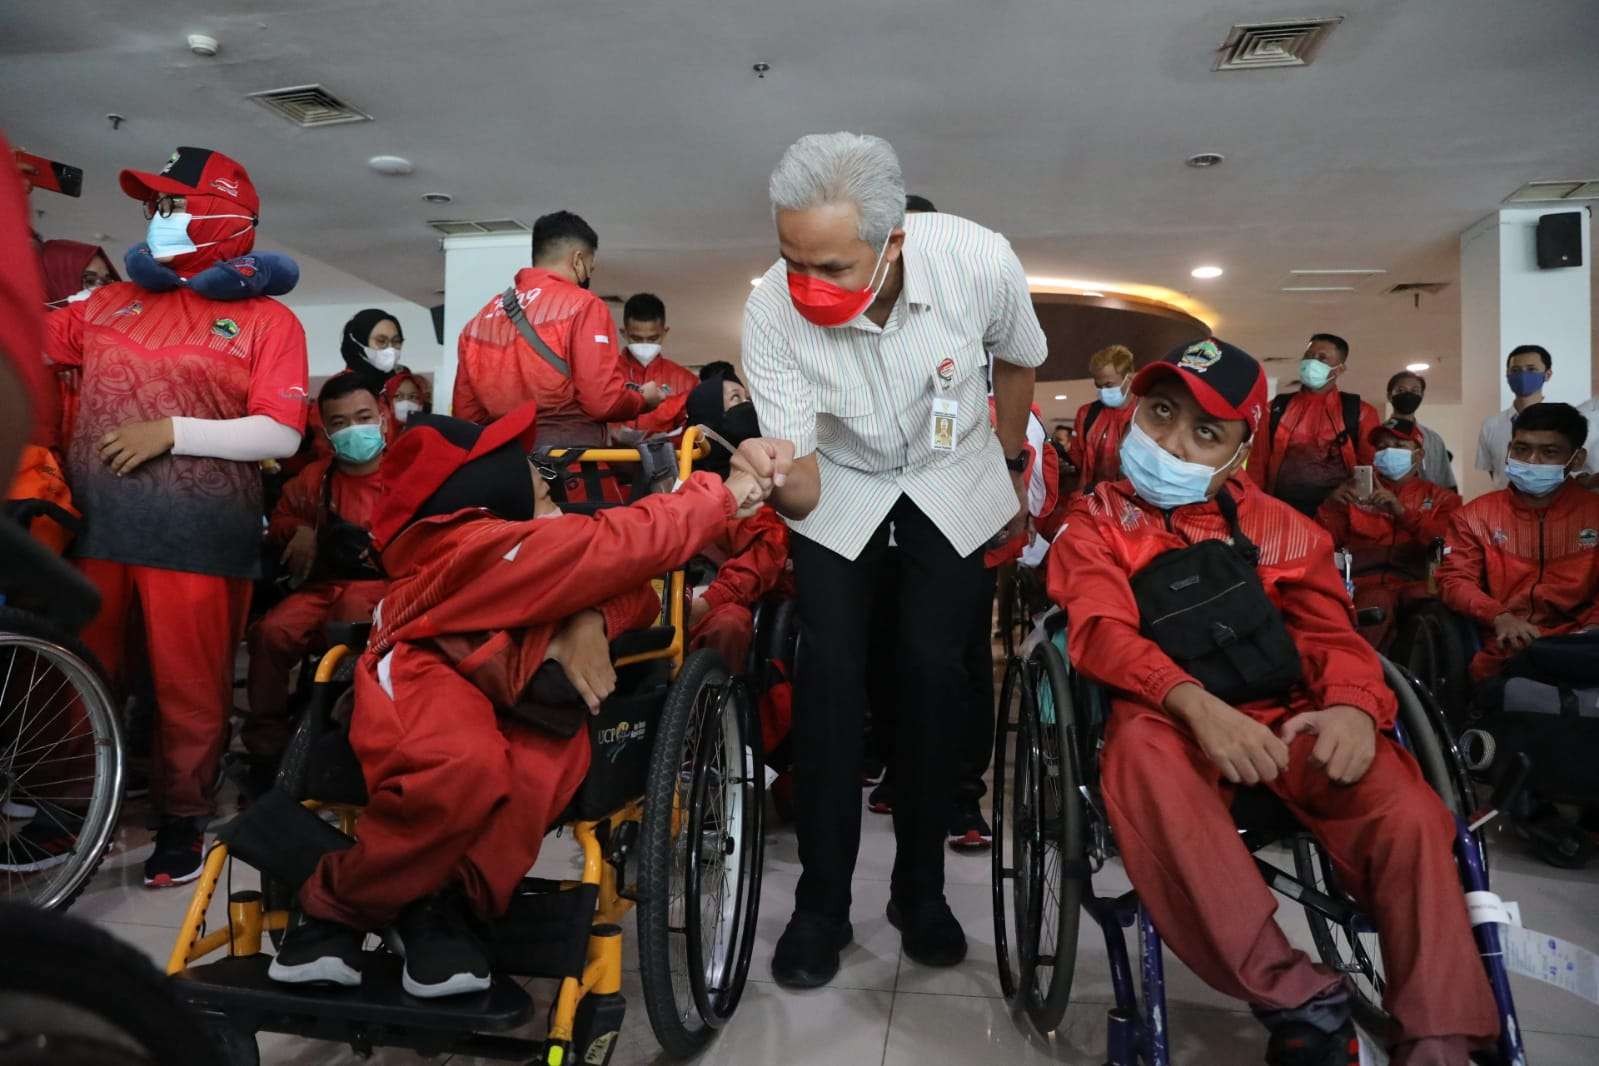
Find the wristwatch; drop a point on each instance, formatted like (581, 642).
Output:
(1018, 462)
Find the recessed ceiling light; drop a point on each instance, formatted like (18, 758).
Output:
(1204, 160)
(392, 165)
(755, 281)
(1060, 396)
(1418, 368)
(437, 198)
(1206, 272)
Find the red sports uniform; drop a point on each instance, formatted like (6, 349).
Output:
(1389, 835)
(458, 794)
(669, 417)
(1540, 565)
(285, 633)
(180, 535)
(1390, 554)
(749, 556)
(1311, 452)
(1095, 449)
(497, 370)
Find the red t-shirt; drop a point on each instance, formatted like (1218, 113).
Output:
(149, 355)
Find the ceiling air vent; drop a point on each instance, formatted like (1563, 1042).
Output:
(1555, 190)
(462, 227)
(308, 106)
(1289, 43)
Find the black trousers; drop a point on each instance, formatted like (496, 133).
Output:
(937, 592)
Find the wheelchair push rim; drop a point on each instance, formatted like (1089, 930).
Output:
(61, 764)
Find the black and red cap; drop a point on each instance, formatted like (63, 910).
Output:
(192, 171)
(1224, 379)
(1403, 428)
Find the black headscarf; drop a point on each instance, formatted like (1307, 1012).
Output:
(501, 481)
(735, 424)
(353, 343)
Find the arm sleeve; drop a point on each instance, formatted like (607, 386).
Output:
(279, 379)
(464, 402)
(1258, 466)
(1365, 451)
(249, 439)
(1076, 453)
(1043, 490)
(1334, 518)
(1485, 455)
(1462, 577)
(63, 335)
(783, 397)
(1340, 667)
(669, 416)
(1429, 525)
(298, 505)
(597, 376)
(636, 608)
(1103, 639)
(1012, 332)
(1435, 461)
(760, 549)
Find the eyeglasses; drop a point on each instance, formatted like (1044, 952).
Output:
(93, 279)
(162, 205)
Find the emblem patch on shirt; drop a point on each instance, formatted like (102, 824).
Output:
(1588, 538)
(1426, 505)
(1498, 536)
(225, 327)
(946, 370)
(135, 308)
(1200, 357)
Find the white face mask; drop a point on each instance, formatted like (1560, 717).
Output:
(383, 359)
(404, 409)
(644, 353)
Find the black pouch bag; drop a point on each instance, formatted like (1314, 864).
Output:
(1207, 609)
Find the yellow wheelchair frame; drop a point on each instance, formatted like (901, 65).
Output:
(602, 974)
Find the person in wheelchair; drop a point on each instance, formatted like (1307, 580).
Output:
(465, 772)
(1390, 534)
(322, 523)
(747, 561)
(1265, 682)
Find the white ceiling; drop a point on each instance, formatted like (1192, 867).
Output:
(1062, 124)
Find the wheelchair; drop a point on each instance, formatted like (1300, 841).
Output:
(668, 820)
(61, 753)
(1051, 835)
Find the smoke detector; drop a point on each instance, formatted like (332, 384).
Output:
(204, 45)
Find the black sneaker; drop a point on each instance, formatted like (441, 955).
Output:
(46, 839)
(929, 932)
(969, 831)
(179, 853)
(443, 956)
(881, 798)
(1303, 1044)
(807, 953)
(319, 952)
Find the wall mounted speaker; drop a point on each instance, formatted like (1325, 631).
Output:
(1560, 240)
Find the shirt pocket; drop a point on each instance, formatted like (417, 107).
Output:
(843, 402)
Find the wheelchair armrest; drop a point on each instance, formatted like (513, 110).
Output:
(353, 634)
(642, 642)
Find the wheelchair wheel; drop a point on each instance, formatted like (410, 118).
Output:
(61, 763)
(1431, 646)
(701, 847)
(1354, 949)
(1009, 905)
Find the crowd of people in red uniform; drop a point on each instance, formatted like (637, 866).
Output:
(170, 396)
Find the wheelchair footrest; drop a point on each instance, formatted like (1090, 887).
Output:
(239, 988)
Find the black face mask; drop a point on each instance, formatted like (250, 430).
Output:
(739, 423)
(1405, 403)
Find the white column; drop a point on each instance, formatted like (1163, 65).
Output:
(1506, 300)
(475, 269)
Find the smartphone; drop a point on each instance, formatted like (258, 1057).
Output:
(56, 177)
(1363, 483)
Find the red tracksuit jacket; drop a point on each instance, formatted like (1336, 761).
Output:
(1305, 434)
(1112, 534)
(669, 417)
(1377, 537)
(1541, 566)
(497, 369)
(1097, 453)
(751, 554)
(355, 499)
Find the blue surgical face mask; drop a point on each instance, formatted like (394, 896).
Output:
(1524, 382)
(1314, 374)
(1535, 479)
(1114, 396)
(168, 237)
(358, 444)
(1158, 476)
(1393, 463)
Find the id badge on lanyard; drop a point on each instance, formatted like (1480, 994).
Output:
(945, 419)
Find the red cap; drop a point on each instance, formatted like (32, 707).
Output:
(1224, 379)
(1403, 428)
(191, 171)
(432, 448)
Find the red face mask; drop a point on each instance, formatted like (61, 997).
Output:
(825, 304)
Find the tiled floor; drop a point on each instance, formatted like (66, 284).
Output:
(884, 1010)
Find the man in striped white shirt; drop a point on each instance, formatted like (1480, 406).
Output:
(866, 348)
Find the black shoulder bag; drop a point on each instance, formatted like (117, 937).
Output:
(1207, 609)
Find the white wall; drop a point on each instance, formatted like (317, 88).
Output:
(475, 268)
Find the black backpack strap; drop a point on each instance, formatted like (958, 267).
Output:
(1279, 404)
(1088, 419)
(1229, 512)
(513, 311)
(1351, 406)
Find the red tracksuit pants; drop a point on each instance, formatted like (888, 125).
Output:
(281, 639)
(193, 623)
(729, 629)
(1390, 839)
(456, 795)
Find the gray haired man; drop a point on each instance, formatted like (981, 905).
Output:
(867, 349)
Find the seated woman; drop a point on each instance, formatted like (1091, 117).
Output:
(479, 558)
(1182, 732)
(1389, 535)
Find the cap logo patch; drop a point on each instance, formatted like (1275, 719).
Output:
(226, 187)
(1588, 538)
(172, 161)
(225, 327)
(1200, 357)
